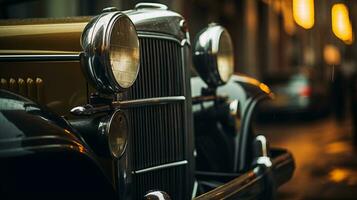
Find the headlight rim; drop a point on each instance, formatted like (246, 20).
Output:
(95, 58)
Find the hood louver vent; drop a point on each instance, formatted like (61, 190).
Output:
(31, 88)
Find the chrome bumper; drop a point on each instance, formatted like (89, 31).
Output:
(258, 181)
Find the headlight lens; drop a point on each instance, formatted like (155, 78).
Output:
(213, 55)
(124, 52)
(111, 52)
(225, 59)
(118, 134)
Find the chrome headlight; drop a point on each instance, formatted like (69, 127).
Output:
(213, 55)
(111, 52)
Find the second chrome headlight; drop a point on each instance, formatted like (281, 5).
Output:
(213, 55)
(111, 52)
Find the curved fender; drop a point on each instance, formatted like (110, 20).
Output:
(239, 87)
(41, 156)
(246, 90)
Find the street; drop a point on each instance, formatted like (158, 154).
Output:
(326, 162)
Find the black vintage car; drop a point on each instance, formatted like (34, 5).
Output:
(109, 107)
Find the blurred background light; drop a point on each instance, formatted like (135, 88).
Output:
(341, 24)
(304, 13)
(332, 55)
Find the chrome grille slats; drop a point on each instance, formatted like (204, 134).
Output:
(155, 144)
(160, 70)
(158, 133)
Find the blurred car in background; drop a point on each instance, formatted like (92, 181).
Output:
(302, 95)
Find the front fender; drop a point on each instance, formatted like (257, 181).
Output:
(42, 157)
(27, 128)
(249, 93)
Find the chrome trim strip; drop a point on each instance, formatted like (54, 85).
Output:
(147, 102)
(168, 165)
(39, 57)
(90, 109)
(76, 57)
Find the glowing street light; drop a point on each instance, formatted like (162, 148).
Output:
(341, 24)
(304, 13)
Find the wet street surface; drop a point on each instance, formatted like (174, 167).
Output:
(326, 162)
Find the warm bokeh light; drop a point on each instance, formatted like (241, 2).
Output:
(304, 13)
(338, 175)
(332, 55)
(346, 175)
(341, 24)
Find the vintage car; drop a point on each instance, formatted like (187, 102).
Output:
(109, 107)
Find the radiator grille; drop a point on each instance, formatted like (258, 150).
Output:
(160, 70)
(157, 132)
(157, 135)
